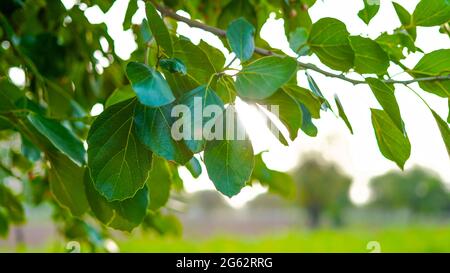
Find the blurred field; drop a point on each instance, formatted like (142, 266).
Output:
(412, 239)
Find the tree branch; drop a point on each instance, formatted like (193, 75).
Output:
(262, 51)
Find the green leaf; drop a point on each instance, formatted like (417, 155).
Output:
(431, 13)
(225, 88)
(194, 167)
(305, 97)
(173, 65)
(406, 20)
(215, 56)
(229, 161)
(272, 126)
(235, 9)
(298, 40)
(386, 97)
(277, 182)
(290, 113)
(328, 39)
(119, 164)
(342, 113)
(262, 78)
(9, 95)
(151, 88)
(370, 58)
(66, 183)
(196, 101)
(433, 64)
(154, 127)
(120, 94)
(394, 44)
(369, 11)
(316, 90)
(60, 136)
(159, 183)
(240, 35)
(12, 205)
(448, 117)
(393, 144)
(131, 10)
(123, 215)
(4, 225)
(444, 129)
(159, 29)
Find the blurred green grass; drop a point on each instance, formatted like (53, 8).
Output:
(411, 239)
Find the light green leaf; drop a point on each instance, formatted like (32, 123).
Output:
(306, 97)
(298, 40)
(229, 162)
(316, 90)
(13, 206)
(194, 167)
(328, 39)
(154, 127)
(197, 100)
(120, 94)
(406, 20)
(159, 183)
(225, 88)
(66, 183)
(342, 113)
(240, 35)
(151, 88)
(173, 65)
(393, 144)
(433, 64)
(159, 29)
(386, 97)
(122, 215)
(394, 44)
(215, 56)
(119, 164)
(60, 136)
(369, 11)
(370, 58)
(262, 78)
(444, 129)
(431, 13)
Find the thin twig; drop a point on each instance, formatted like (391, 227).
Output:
(222, 33)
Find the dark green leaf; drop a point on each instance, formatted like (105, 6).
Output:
(159, 29)
(370, 58)
(431, 13)
(328, 39)
(369, 11)
(154, 128)
(386, 97)
(131, 10)
(159, 183)
(60, 136)
(12, 205)
(151, 88)
(173, 65)
(123, 215)
(196, 101)
(342, 113)
(316, 90)
(240, 35)
(66, 183)
(9, 95)
(4, 225)
(194, 167)
(229, 161)
(262, 78)
(119, 164)
(393, 144)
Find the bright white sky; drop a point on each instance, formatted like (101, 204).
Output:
(357, 154)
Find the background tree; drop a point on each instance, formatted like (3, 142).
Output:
(418, 190)
(322, 188)
(130, 166)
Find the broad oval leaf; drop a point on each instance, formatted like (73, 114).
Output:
(159, 183)
(60, 136)
(66, 183)
(298, 40)
(240, 35)
(262, 78)
(151, 88)
(229, 162)
(431, 13)
(122, 215)
(369, 11)
(328, 39)
(119, 164)
(196, 101)
(393, 144)
(433, 64)
(386, 97)
(159, 29)
(370, 58)
(154, 128)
